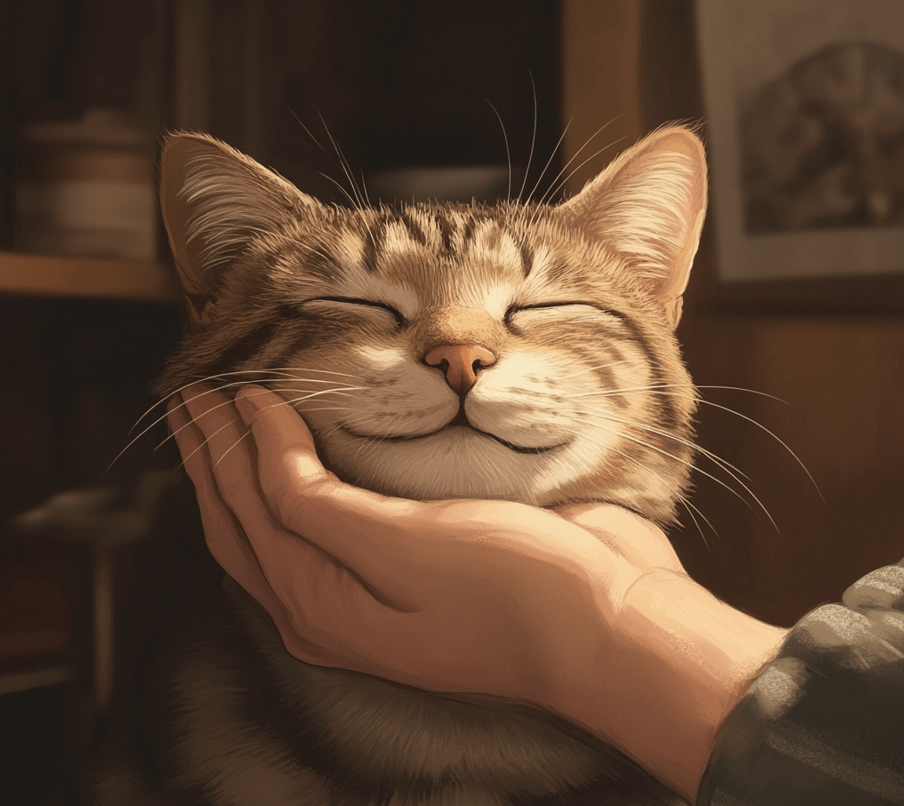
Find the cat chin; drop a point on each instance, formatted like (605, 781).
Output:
(453, 463)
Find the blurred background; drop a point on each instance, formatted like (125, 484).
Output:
(407, 97)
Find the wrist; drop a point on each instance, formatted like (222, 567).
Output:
(676, 661)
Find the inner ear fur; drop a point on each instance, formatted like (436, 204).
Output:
(649, 206)
(214, 200)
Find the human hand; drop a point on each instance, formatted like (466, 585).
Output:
(456, 595)
(563, 607)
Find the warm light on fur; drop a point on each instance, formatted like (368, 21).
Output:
(585, 397)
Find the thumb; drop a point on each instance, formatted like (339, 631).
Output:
(283, 440)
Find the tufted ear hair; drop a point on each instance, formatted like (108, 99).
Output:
(649, 206)
(215, 200)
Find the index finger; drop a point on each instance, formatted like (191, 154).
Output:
(378, 537)
(358, 527)
(625, 533)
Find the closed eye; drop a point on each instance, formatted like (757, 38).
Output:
(369, 303)
(514, 309)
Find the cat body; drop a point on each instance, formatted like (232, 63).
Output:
(521, 352)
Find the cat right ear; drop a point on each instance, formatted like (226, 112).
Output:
(648, 206)
(215, 200)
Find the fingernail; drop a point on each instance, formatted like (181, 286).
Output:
(248, 403)
(247, 408)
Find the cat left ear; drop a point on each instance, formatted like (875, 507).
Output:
(649, 206)
(215, 201)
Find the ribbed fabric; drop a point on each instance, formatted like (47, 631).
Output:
(823, 725)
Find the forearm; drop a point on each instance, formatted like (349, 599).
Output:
(681, 661)
(825, 722)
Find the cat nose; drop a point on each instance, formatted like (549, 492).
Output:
(460, 363)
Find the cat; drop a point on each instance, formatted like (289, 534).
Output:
(520, 351)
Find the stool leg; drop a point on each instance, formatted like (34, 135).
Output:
(103, 629)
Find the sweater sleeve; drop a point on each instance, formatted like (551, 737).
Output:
(823, 725)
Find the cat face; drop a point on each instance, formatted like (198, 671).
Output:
(520, 352)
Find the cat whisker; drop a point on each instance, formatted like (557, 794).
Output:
(202, 445)
(308, 396)
(310, 380)
(657, 386)
(686, 442)
(533, 140)
(313, 380)
(690, 465)
(548, 163)
(279, 376)
(364, 189)
(340, 390)
(340, 162)
(508, 153)
(545, 168)
(562, 179)
(160, 419)
(191, 421)
(660, 389)
(690, 509)
(235, 444)
(775, 437)
(258, 413)
(581, 370)
(575, 155)
(306, 410)
(248, 431)
(225, 453)
(342, 190)
(679, 498)
(345, 165)
(286, 372)
(192, 383)
(734, 472)
(315, 369)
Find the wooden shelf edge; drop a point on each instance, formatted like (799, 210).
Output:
(85, 277)
(12, 682)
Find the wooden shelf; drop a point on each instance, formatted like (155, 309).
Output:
(51, 275)
(38, 677)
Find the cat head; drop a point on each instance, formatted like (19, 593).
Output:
(517, 351)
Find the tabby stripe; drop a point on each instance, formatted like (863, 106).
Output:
(606, 374)
(246, 348)
(527, 258)
(668, 411)
(252, 346)
(320, 262)
(446, 231)
(414, 229)
(373, 243)
(556, 270)
(291, 342)
(468, 231)
(473, 222)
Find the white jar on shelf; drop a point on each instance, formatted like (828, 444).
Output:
(86, 188)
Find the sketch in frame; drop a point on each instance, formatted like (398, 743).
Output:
(805, 114)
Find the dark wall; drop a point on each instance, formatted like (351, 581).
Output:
(393, 83)
(833, 353)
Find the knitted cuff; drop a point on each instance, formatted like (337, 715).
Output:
(824, 723)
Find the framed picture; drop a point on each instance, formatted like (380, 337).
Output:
(805, 115)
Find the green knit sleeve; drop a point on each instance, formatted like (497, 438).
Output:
(823, 725)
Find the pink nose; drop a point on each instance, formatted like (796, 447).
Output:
(460, 363)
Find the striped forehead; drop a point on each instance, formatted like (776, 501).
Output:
(412, 232)
(354, 252)
(419, 258)
(492, 246)
(429, 234)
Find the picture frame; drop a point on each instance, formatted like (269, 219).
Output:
(804, 110)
